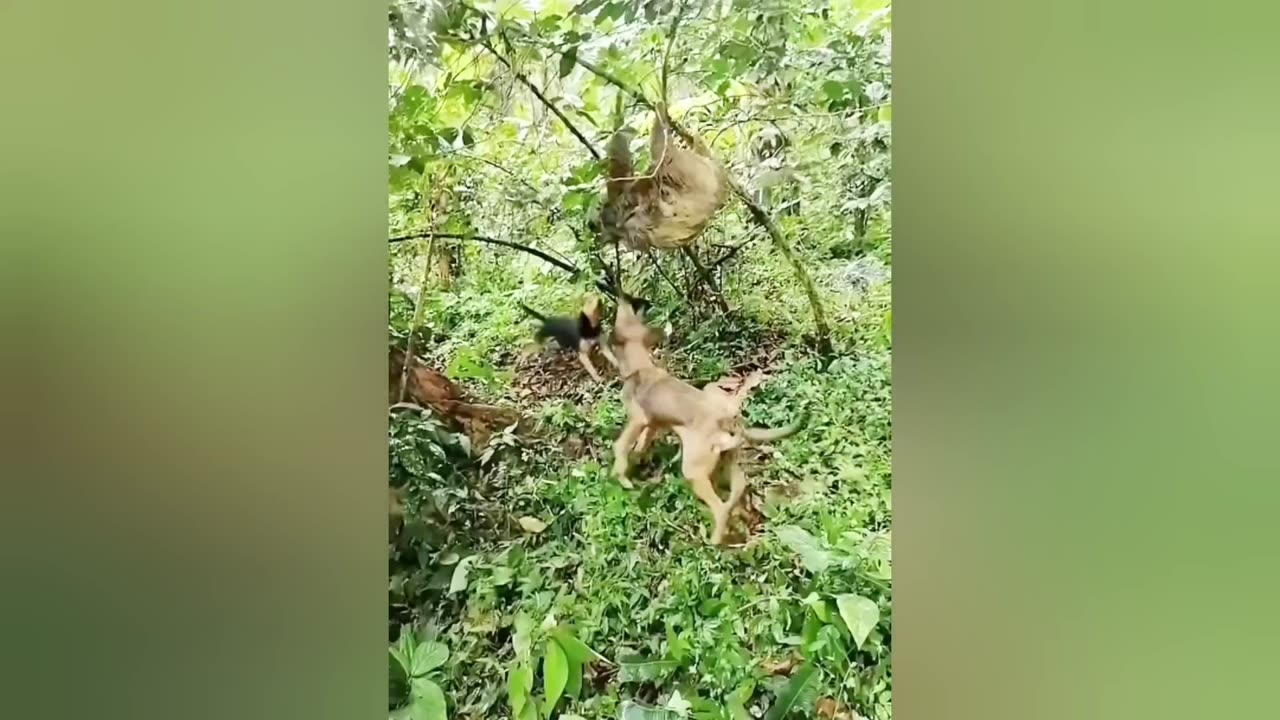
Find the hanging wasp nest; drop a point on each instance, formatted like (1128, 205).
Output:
(672, 204)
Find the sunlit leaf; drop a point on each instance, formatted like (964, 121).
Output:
(429, 702)
(812, 554)
(860, 615)
(428, 657)
(573, 687)
(641, 669)
(574, 648)
(519, 683)
(635, 711)
(555, 674)
(460, 573)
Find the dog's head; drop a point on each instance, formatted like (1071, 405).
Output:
(629, 326)
(591, 308)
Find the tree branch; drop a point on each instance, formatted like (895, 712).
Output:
(729, 255)
(538, 93)
(573, 270)
(706, 278)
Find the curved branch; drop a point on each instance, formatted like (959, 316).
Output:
(538, 93)
(729, 254)
(573, 270)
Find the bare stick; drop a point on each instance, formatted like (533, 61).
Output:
(417, 318)
(538, 93)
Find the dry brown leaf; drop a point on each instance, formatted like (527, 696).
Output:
(832, 710)
(779, 667)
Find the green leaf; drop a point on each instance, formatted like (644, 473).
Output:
(568, 59)
(885, 114)
(429, 702)
(636, 711)
(640, 669)
(460, 572)
(573, 688)
(519, 683)
(575, 649)
(401, 657)
(428, 657)
(587, 7)
(793, 693)
(860, 615)
(735, 703)
(555, 674)
(810, 550)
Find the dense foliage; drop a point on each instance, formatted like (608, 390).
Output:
(527, 583)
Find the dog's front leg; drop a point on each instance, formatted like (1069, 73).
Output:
(584, 357)
(608, 354)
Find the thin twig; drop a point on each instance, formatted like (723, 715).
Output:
(671, 40)
(550, 106)
(417, 319)
(663, 273)
(729, 255)
(705, 277)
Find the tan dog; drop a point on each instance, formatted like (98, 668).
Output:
(707, 421)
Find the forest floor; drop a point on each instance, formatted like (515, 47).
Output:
(798, 609)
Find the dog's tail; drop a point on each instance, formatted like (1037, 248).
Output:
(532, 312)
(764, 435)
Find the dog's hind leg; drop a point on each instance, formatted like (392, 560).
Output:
(737, 481)
(698, 466)
(622, 449)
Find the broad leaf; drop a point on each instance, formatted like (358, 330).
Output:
(574, 648)
(555, 674)
(428, 657)
(429, 702)
(532, 524)
(401, 657)
(860, 615)
(636, 711)
(641, 669)
(568, 60)
(810, 550)
(460, 572)
(573, 688)
(519, 683)
(793, 693)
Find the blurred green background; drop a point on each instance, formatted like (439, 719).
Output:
(193, 289)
